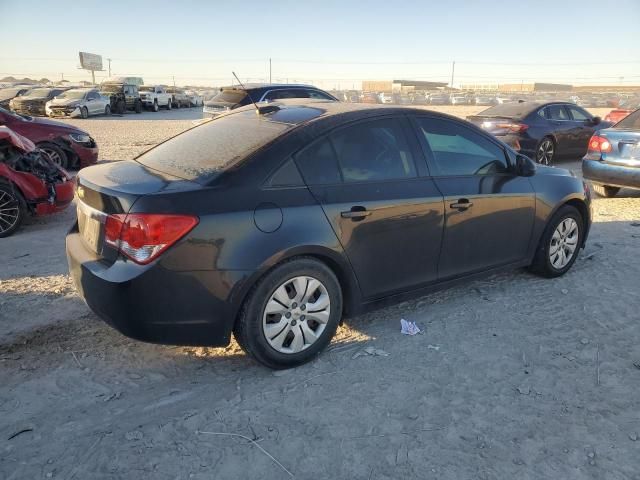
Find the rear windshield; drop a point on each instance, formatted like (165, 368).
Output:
(630, 121)
(509, 110)
(203, 152)
(229, 96)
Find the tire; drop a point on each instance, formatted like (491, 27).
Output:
(13, 209)
(137, 106)
(605, 190)
(107, 111)
(169, 106)
(289, 347)
(56, 154)
(545, 151)
(543, 263)
(84, 113)
(121, 107)
(155, 107)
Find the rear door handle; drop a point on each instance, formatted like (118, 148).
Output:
(461, 204)
(355, 213)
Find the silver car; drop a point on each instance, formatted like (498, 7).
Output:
(78, 102)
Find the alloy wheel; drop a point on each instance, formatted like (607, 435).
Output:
(296, 314)
(54, 156)
(545, 152)
(564, 243)
(9, 211)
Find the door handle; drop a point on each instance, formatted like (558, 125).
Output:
(355, 213)
(461, 204)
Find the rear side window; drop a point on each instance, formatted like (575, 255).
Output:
(320, 95)
(203, 152)
(366, 152)
(458, 150)
(318, 163)
(373, 151)
(284, 93)
(556, 112)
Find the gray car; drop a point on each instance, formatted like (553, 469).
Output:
(78, 102)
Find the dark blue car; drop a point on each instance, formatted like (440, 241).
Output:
(541, 131)
(613, 158)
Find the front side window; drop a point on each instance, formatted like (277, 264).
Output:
(578, 114)
(457, 150)
(319, 95)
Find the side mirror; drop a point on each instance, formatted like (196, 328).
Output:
(525, 166)
(596, 121)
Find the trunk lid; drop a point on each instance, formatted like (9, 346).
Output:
(495, 125)
(113, 188)
(625, 147)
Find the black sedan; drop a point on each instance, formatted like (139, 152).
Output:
(613, 158)
(542, 131)
(275, 224)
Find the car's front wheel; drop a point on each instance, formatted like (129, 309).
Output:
(84, 112)
(155, 107)
(560, 243)
(291, 314)
(545, 151)
(55, 154)
(605, 190)
(107, 110)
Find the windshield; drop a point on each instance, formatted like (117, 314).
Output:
(229, 96)
(631, 121)
(38, 92)
(9, 93)
(146, 89)
(73, 94)
(201, 153)
(111, 88)
(173, 90)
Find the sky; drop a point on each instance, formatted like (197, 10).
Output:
(332, 44)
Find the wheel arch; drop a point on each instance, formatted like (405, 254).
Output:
(582, 207)
(335, 261)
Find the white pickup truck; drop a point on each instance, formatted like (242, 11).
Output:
(154, 96)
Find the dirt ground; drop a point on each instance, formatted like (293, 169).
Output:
(515, 376)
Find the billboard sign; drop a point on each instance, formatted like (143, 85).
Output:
(90, 61)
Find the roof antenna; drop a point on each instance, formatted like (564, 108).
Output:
(259, 110)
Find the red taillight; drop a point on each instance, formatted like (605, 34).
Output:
(513, 127)
(144, 236)
(598, 144)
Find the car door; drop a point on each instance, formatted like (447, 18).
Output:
(583, 128)
(489, 210)
(560, 125)
(92, 103)
(369, 178)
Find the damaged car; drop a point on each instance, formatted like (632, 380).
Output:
(30, 183)
(33, 103)
(8, 94)
(67, 145)
(78, 103)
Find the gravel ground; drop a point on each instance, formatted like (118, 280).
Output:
(514, 377)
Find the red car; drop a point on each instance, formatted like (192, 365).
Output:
(614, 116)
(29, 182)
(66, 145)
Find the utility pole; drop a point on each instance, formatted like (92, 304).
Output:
(61, 77)
(109, 61)
(270, 70)
(174, 81)
(453, 70)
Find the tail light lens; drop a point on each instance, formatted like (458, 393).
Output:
(142, 237)
(598, 144)
(513, 127)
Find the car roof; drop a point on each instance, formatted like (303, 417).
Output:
(300, 111)
(256, 86)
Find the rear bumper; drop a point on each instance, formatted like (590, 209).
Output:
(154, 304)
(608, 174)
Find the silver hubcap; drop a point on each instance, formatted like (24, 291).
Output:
(296, 314)
(9, 211)
(53, 156)
(563, 243)
(545, 152)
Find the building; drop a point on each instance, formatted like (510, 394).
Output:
(399, 86)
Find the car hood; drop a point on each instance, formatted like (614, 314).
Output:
(67, 102)
(58, 125)
(30, 99)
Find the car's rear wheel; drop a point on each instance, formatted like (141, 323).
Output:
(545, 151)
(169, 106)
(84, 112)
(155, 106)
(12, 209)
(560, 243)
(55, 154)
(605, 190)
(107, 110)
(121, 107)
(291, 314)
